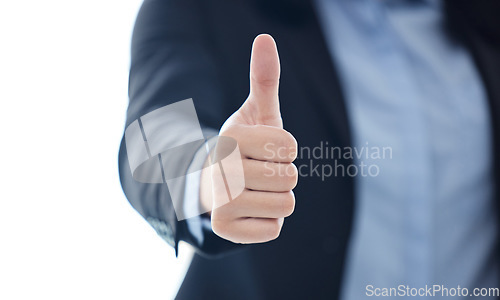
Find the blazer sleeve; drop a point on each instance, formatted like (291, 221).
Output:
(172, 59)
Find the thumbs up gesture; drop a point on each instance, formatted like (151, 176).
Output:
(267, 151)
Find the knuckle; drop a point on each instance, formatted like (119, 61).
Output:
(288, 204)
(220, 227)
(265, 81)
(288, 146)
(286, 139)
(292, 146)
(290, 177)
(273, 230)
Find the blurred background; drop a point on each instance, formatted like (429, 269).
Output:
(66, 229)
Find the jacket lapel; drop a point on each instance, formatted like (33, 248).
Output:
(488, 62)
(474, 24)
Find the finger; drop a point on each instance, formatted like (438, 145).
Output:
(269, 176)
(264, 82)
(264, 143)
(248, 230)
(259, 204)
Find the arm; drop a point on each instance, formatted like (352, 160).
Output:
(170, 62)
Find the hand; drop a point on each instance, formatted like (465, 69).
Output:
(267, 150)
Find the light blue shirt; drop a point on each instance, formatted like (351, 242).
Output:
(428, 217)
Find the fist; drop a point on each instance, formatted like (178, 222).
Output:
(267, 151)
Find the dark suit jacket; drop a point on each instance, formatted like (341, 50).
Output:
(200, 49)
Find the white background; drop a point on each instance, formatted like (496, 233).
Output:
(66, 229)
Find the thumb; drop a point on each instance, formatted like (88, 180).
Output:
(263, 102)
